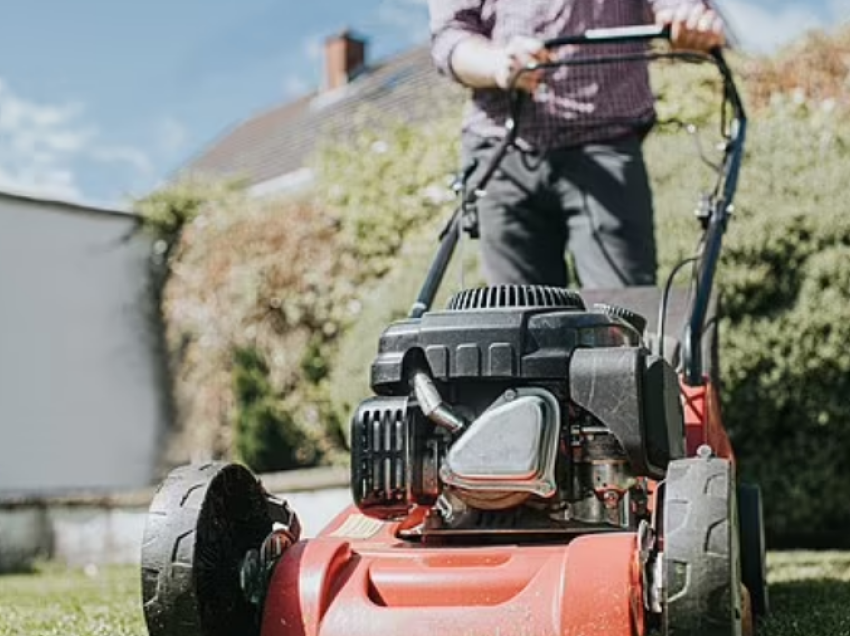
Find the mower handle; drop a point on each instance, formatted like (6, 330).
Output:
(638, 33)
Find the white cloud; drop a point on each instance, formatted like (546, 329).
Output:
(295, 86)
(408, 17)
(762, 27)
(839, 11)
(123, 154)
(314, 47)
(171, 135)
(45, 180)
(42, 146)
(35, 142)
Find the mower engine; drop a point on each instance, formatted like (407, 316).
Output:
(517, 411)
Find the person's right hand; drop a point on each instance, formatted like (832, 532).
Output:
(694, 27)
(516, 55)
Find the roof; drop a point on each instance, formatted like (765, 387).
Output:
(281, 140)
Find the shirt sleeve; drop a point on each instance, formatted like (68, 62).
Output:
(452, 21)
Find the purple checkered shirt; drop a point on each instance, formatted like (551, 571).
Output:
(582, 104)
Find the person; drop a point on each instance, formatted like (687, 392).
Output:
(575, 179)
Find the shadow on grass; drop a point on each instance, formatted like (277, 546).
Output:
(18, 569)
(18, 565)
(816, 607)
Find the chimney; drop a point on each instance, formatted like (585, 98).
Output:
(345, 55)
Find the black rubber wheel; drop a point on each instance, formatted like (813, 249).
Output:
(753, 560)
(201, 523)
(701, 549)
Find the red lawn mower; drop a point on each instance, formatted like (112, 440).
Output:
(535, 462)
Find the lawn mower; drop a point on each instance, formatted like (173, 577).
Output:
(535, 461)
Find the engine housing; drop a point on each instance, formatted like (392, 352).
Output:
(542, 411)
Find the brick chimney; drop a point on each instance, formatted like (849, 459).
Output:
(345, 55)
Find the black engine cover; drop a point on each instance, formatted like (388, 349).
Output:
(636, 396)
(528, 343)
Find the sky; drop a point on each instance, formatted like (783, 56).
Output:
(101, 100)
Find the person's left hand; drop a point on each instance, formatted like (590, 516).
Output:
(693, 27)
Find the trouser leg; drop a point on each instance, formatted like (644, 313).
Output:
(606, 191)
(523, 235)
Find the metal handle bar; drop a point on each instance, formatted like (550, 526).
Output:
(639, 33)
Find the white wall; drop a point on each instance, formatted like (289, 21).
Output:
(89, 534)
(80, 536)
(80, 399)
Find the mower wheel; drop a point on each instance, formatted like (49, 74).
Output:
(202, 522)
(703, 593)
(753, 561)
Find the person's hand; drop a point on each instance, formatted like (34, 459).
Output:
(519, 53)
(693, 27)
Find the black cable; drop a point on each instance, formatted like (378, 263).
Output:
(665, 298)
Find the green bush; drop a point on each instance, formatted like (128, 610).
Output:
(787, 360)
(383, 186)
(266, 437)
(166, 212)
(228, 289)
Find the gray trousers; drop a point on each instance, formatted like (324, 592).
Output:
(593, 201)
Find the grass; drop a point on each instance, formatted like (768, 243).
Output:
(60, 602)
(810, 596)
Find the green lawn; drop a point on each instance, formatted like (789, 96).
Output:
(810, 594)
(71, 603)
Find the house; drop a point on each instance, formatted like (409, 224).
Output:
(271, 150)
(82, 385)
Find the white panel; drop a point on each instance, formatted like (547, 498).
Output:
(80, 400)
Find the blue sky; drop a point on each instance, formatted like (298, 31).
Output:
(101, 99)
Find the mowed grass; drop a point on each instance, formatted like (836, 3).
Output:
(72, 602)
(810, 596)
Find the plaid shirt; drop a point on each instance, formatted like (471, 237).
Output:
(582, 104)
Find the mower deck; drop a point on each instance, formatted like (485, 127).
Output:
(357, 579)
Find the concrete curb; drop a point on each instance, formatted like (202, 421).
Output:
(106, 528)
(294, 481)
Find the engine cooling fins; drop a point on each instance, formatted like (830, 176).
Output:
(633, 318)
(516, 296)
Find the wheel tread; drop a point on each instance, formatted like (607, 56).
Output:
(699, 548)
(168, 573)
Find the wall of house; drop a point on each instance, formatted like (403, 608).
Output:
(81, 399)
